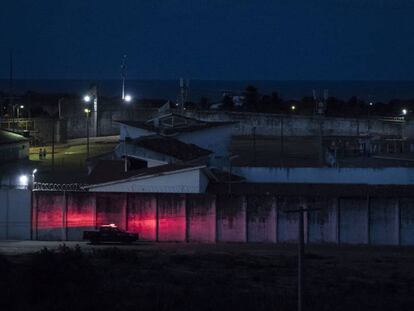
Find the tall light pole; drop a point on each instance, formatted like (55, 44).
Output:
(87, 112)
(92, 97)
(19, 107)
(123, 75)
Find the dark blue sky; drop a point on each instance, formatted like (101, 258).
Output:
(216, 39)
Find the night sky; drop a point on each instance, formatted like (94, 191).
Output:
(216, 39)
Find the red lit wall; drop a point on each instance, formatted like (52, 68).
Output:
(231, 219)
(142, 215)
(111, 209)
(80, 214)
(201, 218)
(48, 212)
(209, 218)
(171, 218)
(261, 219)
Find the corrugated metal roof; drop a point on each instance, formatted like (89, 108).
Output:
(196, 126)
(171, 147)
(114, 170)
(7, 137)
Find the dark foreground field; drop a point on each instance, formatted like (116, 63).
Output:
(206, 277)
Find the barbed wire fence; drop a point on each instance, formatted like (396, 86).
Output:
(75, 187)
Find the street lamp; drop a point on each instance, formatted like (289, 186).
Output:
(18, 110)
(91, 99)
(23, 181)
(86, 98)
(87, 112)
(128, 98)
(33, 177)
(404, 111)
(293, 108)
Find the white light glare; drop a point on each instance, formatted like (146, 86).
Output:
(87, 98)
(128, 98)
(24, 180)
(404, 111)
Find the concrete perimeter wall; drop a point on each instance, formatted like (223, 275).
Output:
(296, 125)
(74, 126)
(328, 175)
(15, 214)
(226, 218)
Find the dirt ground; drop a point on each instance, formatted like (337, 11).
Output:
(181, 276)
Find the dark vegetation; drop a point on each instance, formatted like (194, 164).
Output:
(46, 105)
(207, 277)
(254, 101)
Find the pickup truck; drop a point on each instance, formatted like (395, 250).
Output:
(109, 233)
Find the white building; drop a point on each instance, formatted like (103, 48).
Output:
(157, 150)
(110, 176)
(214, 136)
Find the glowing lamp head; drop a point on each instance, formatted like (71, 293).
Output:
(293, 108)
(128, 98)
(87, 110)
(404, 111)
(371, 103)
(86, 98)
(24, 180)
(21, 106)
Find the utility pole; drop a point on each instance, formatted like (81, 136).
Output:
(123, 75)
(11, 82)
(53, 144)
(184, 87)
(87, 111)
(254, 144)
(320, 106)
(301, 250)
(60, 107)
(11, 104)
(281, 140)
(125, 156)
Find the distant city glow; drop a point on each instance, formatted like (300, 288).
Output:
(404, 111)
(24, 180)
(128, 98)
(87, 98)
